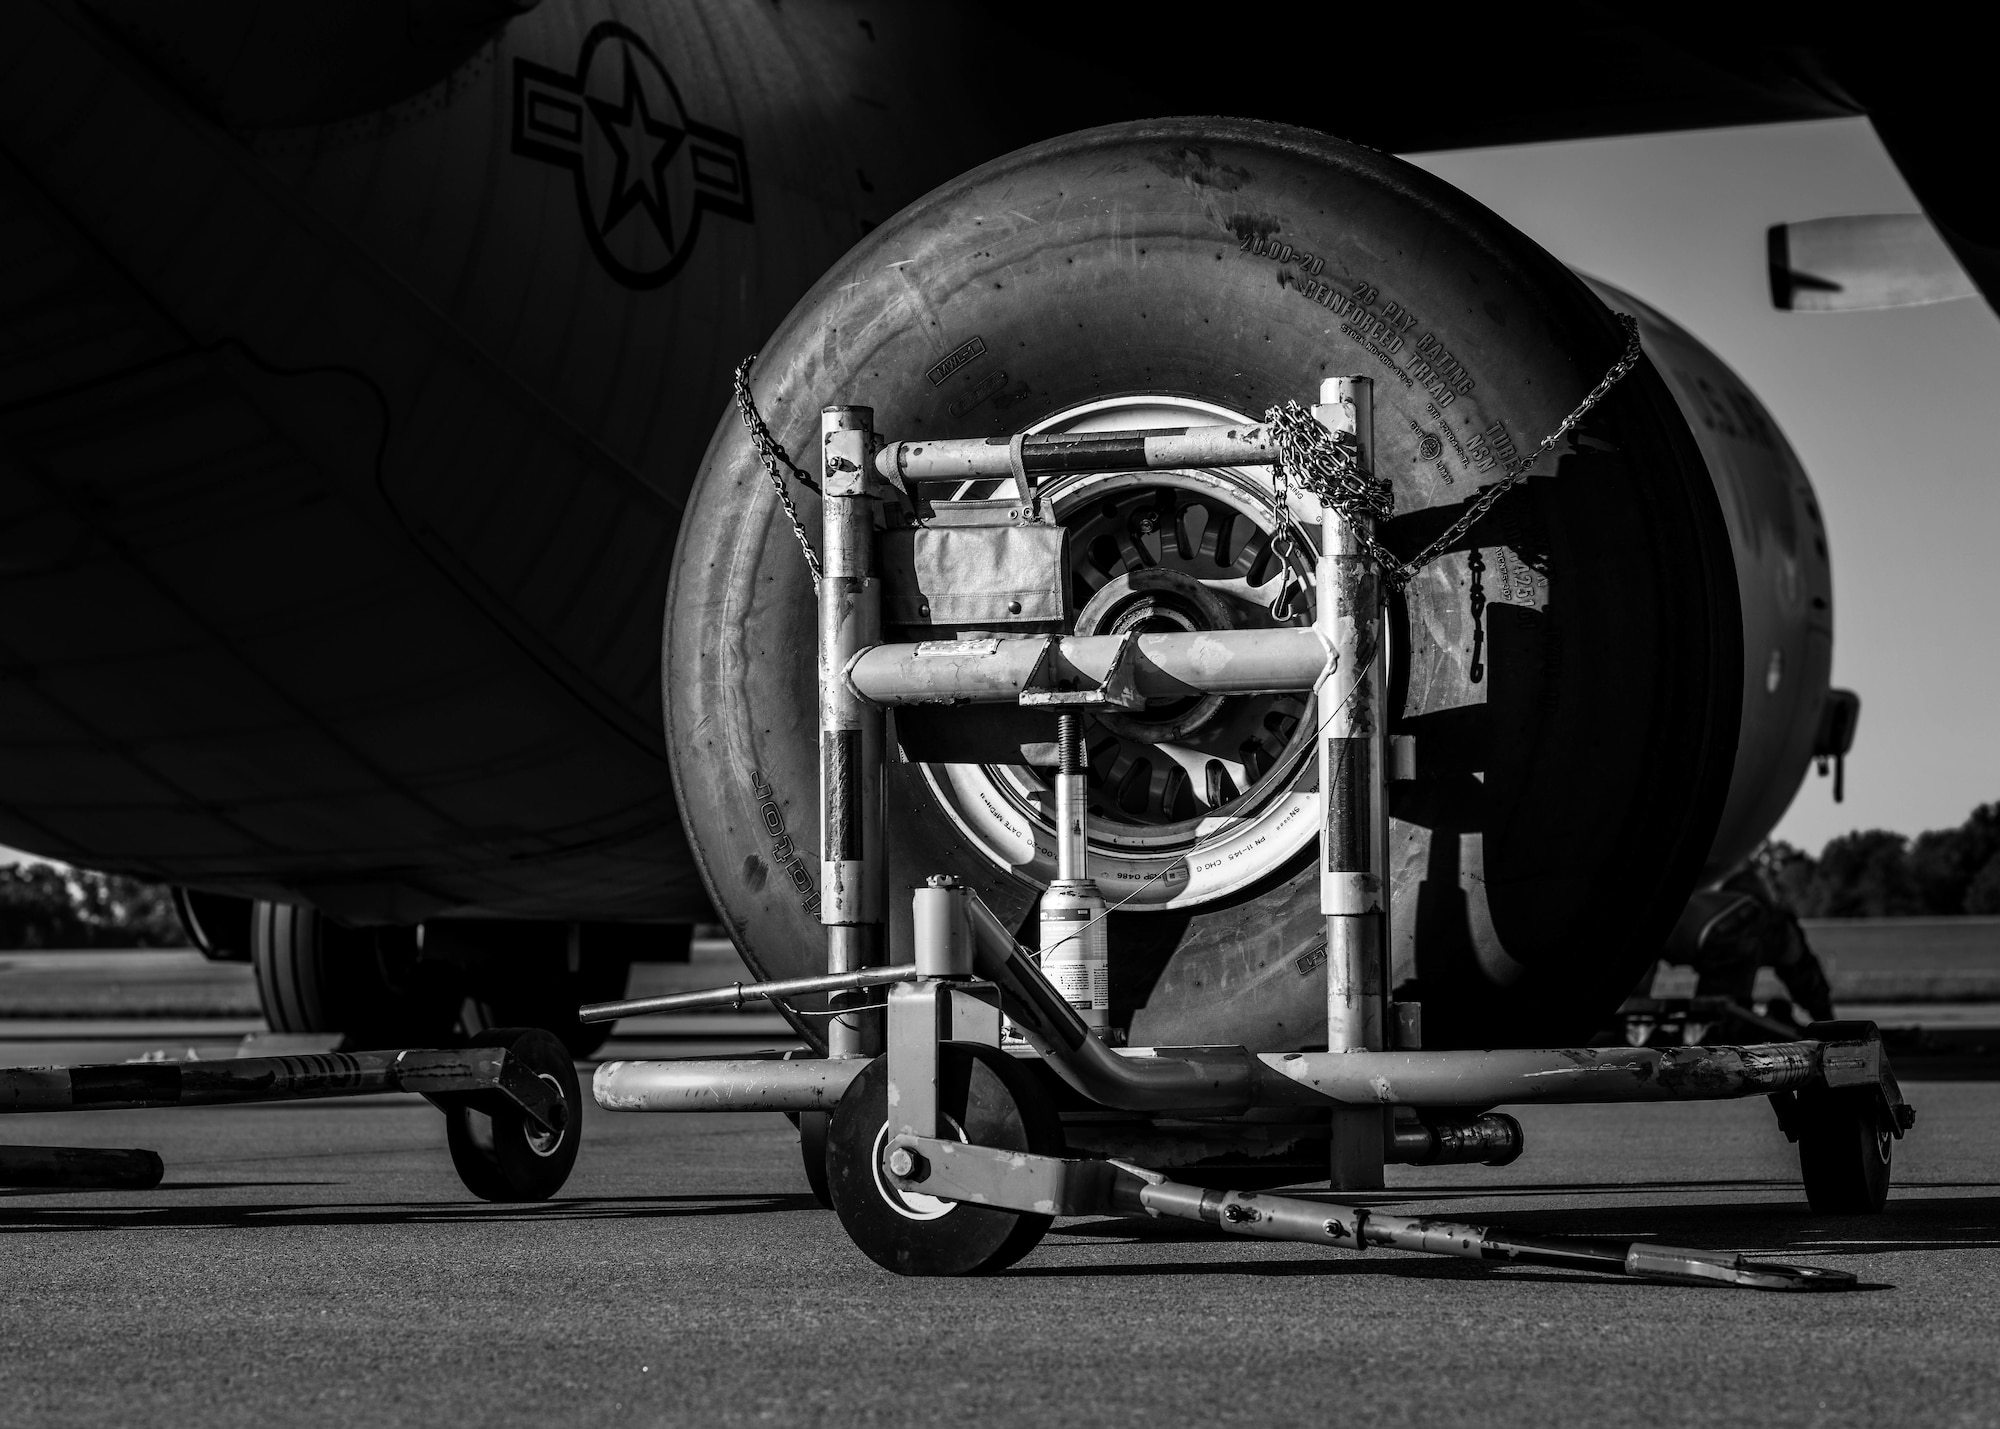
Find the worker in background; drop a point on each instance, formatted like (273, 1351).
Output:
(1731, 930)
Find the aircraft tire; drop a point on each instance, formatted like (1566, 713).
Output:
(497, 1152)
(984, 1097)
(1564, 802)
(315, 975)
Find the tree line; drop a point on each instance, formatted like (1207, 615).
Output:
(1874, 873)
(44, 905)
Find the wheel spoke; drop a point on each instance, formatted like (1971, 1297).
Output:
(1204, 540)
(1200, 769)
(1261, 596)
(1247, 559)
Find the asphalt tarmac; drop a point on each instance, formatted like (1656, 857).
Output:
(319, 1264)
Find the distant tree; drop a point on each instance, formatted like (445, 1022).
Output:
(1944, 862)
(1982, 894)
(46, 906)
(1864, 875)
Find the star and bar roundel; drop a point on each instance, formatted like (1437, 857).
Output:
(644, 172)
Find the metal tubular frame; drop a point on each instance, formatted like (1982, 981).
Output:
(1354, 831)
(733, 1084)
(1163, 449)
(999, 668)
(969, 969)
(853, 869)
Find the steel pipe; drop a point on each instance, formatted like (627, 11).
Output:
(1047, 1185)
(853, 836)
(1268, 1217)
(1162, 449)
(1354, 826)
(708, 1084)
(1149, 1079)
(1562, 1075)
(738, 993)
(127, 1086)
(137, 1085)
(997, 668)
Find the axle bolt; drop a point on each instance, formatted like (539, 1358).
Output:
(907, 1165)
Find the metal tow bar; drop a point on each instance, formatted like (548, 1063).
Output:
(504, 1082)
(1047, 1185)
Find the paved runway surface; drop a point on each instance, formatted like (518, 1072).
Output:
(319, 1264)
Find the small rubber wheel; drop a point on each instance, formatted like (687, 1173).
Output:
(985, 1098)
(812, 1151)
(1845, 1146)
(499, 1154)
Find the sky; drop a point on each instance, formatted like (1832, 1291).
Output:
(1893, 414)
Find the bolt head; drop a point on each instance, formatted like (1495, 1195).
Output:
(906, 1165)
(942, 880)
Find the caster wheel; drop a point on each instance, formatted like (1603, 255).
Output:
(1845, 1145)
(984, 1097)
(812, 1151)
(498, 1153)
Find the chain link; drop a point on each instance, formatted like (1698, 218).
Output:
(1332, 470)
(773, 457)
(1328, 464)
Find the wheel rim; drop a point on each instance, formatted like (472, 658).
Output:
(911, 1205)
(1191, 800)
(544, 1143)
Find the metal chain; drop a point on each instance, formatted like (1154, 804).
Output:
(774, 456)
(1328, 464)
(1340, 489)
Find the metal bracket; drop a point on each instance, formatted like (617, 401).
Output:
(1056, 684)
(1014, 1180)
(1052, 1186)
(923, 1015)
(485, 1078)
(1024, 481)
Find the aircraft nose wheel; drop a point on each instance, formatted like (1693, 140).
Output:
(1845, 1147)
(984, 1097)
(498, 1152)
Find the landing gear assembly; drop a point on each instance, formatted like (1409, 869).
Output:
(971, 1109)
(446, 981)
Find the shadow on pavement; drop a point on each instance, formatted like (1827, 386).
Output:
(24, 1221)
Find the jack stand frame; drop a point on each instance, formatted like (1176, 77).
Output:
(1834, 1090)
